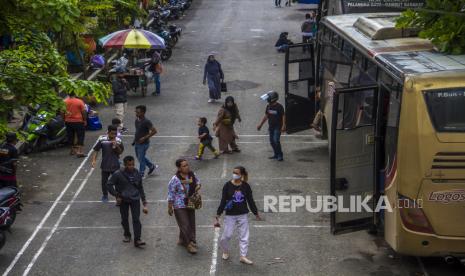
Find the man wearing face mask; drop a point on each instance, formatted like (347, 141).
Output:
(236, 200)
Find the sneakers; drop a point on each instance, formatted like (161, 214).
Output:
(280, 159)
(152, 169)
(104, 198)
(139, 243)
(127, 239)
(236, 150)
(211, 100)
(191, 248)
(244, 260)
(273, 157)
(217, 154)
(225, 256)
(199, 158)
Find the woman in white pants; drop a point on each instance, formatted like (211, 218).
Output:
(236, 200)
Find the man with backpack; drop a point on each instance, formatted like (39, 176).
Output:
(308, 28)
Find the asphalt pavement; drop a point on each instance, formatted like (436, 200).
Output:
(65, 229)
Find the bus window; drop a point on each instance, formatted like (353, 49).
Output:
(357, 109)
(446, 109)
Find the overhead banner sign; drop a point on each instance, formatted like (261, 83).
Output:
(362, 6)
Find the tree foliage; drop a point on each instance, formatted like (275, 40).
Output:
(33, 71)
(441, 21)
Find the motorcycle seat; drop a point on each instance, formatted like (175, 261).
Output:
(6, 193)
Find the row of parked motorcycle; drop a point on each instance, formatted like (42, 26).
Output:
(157, 22)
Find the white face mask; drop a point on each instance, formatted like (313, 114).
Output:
(236, 176)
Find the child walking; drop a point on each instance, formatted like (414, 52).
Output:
(205, 139)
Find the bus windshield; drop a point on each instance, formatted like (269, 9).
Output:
(447, 109)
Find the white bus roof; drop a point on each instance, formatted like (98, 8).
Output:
(402, 56)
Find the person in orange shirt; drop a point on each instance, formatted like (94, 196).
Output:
(76, 121)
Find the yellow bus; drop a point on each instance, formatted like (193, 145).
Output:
(394, 115)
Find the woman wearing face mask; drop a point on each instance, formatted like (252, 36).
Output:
(182, 186)
(224, 126)
(213, 75)
(236, 199)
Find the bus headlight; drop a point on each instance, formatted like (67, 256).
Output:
(413, 216)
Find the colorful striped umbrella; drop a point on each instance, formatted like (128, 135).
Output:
(132, 39)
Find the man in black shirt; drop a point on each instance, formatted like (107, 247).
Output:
(112, 147)
(276, 118)
(126, 185)
(144, 131)
(8, 159)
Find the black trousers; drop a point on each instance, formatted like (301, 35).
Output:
(277, 2)
(186, 222)
(134, 205)
(105, 177)
(75, 129)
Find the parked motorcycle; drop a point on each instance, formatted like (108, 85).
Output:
(44, 129)
(10, 197)
(169, 32)
(4, 220)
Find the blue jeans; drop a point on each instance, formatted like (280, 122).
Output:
(275, 141)
(156, 79)
(141, 151)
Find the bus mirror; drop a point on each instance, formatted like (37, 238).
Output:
(341, 184)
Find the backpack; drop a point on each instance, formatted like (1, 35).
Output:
(307, 27)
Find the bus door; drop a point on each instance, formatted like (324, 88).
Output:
(353, 153)
(299, 86)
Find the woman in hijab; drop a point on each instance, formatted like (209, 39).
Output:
(213, 75)
(224, 126)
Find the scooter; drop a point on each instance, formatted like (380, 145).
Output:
(4, 220)
(44, 129)
(10, 197)
(169, 32)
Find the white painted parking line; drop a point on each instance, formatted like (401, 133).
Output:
(57, 224)
(251, 179)
(47, 215)
(225, 167)
(261, 142)
(243, 135)
(175, 226)
(289, 226)
(216, 236)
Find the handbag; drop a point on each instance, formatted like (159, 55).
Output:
(194, 201)
(224, 87)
